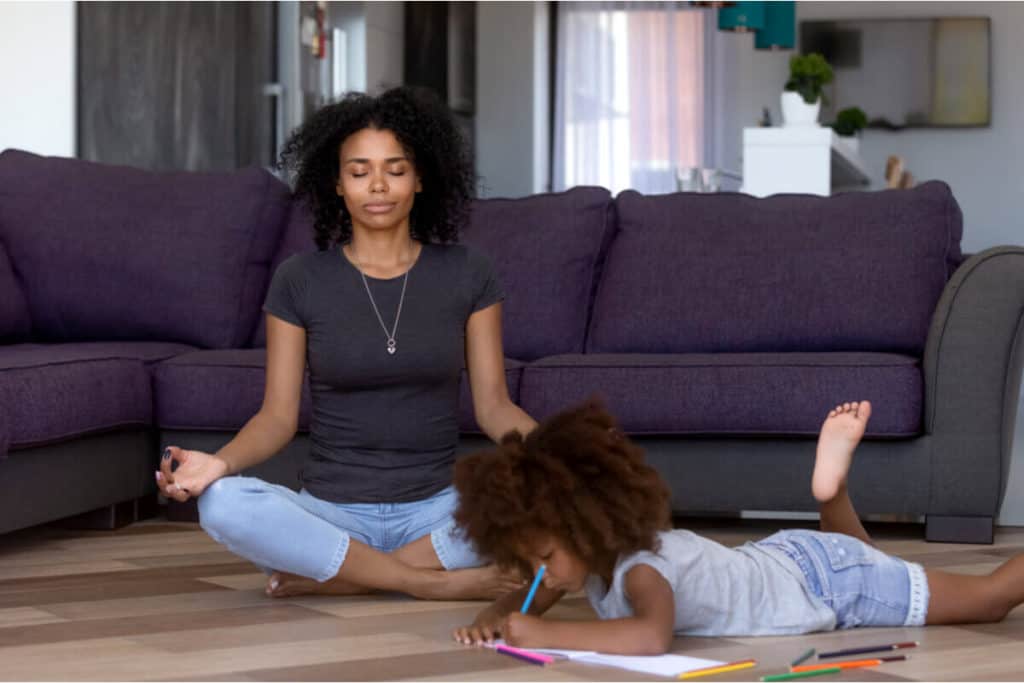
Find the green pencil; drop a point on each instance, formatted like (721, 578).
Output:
(801, 674)
(803, 658)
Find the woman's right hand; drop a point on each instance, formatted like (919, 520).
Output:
(196, 470)
(485, 628)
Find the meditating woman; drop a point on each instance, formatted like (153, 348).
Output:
(384, 315)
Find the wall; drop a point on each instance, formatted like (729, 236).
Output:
(983, 166)
(512, 90)
(385, 45)
(37, 77)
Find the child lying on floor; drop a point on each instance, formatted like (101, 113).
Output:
(576, 497)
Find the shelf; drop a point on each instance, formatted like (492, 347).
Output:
(803, 160)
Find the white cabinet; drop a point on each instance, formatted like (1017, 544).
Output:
(805, 160)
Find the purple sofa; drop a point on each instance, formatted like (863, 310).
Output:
(719, 328)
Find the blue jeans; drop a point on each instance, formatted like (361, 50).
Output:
(281, 530)
(860, 583)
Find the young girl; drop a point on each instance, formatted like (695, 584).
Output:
(576, 497)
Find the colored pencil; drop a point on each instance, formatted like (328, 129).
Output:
(803, 658)
(852, 664)
(546, 658)
(865, 650)
(718, 669)
(519, 654)
(801, 674)
(533, 589)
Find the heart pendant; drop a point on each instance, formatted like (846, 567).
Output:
(391, 350)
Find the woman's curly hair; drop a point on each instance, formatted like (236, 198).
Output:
(576, 477)
(423, 125)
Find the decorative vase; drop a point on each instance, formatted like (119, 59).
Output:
(796, 112)
(852, 141)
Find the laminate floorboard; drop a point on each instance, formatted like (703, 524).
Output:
(162, 601)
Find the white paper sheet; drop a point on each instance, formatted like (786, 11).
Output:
(660, 665)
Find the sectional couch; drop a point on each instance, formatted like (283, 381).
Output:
(719, 328)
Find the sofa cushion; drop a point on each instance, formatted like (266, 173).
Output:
(15, 323)
(115, 252)
(215, 390)
(221, 390)
(56, 392)
(742, 393)
(547, 250)
(726, 272)
(297, 238)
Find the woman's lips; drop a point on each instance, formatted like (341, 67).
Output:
(383, 207)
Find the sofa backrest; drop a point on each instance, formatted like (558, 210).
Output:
(298, 237)
(15, 323)
(727, 272)
(111, 252)
(547, 250)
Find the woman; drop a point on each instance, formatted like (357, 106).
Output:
(384, 313)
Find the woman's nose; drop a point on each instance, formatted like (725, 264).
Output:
(378, 184)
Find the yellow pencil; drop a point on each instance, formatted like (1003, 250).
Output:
(720, 669)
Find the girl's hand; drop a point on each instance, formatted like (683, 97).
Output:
(484, 629)
(196, 470)
(524, 630)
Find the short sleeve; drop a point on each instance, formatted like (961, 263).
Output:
(287, 293)
(484, 287)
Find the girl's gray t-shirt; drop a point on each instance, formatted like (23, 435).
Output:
(720, 591)
(383, 426)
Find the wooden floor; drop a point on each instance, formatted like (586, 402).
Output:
(162, 601)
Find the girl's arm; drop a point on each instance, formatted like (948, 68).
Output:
(647, 632)
(488, 624)
(494, 410)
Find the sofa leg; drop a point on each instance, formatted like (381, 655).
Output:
(114, 516)
(951, 529)
(183, 512)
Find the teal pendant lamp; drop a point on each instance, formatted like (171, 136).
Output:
(779, 32)
(742, 16)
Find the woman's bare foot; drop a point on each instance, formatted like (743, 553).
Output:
(285, 585)
(478, 583)
(841, 432)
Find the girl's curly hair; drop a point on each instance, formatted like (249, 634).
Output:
(423, 125)
(576, 477)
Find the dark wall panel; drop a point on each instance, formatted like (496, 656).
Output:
(170, 85)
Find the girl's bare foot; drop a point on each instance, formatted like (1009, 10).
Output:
(285, 585)
(841, 432)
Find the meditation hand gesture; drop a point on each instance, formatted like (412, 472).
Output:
(196, 470)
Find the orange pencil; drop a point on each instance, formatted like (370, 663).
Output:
(851, 664)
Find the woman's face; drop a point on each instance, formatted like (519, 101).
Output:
(378, 181)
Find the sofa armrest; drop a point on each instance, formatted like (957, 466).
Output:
(972, 374)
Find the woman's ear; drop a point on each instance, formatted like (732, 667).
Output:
(419, 183)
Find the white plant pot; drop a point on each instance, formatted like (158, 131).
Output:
(852, 141)
(796, 112)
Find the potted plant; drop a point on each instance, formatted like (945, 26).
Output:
(849, 122)
(802, 95)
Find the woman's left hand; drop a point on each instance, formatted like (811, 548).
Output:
(524, 630)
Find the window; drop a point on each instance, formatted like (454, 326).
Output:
(631, 95)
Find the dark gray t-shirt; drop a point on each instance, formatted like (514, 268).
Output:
(383, 426)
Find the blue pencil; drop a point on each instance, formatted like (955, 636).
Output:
(533, 589)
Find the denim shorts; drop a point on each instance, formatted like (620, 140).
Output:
(861, 584)
(280, 529)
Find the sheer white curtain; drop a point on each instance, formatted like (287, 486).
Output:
(634, 94)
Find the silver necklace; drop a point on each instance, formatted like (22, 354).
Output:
(392, 345)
